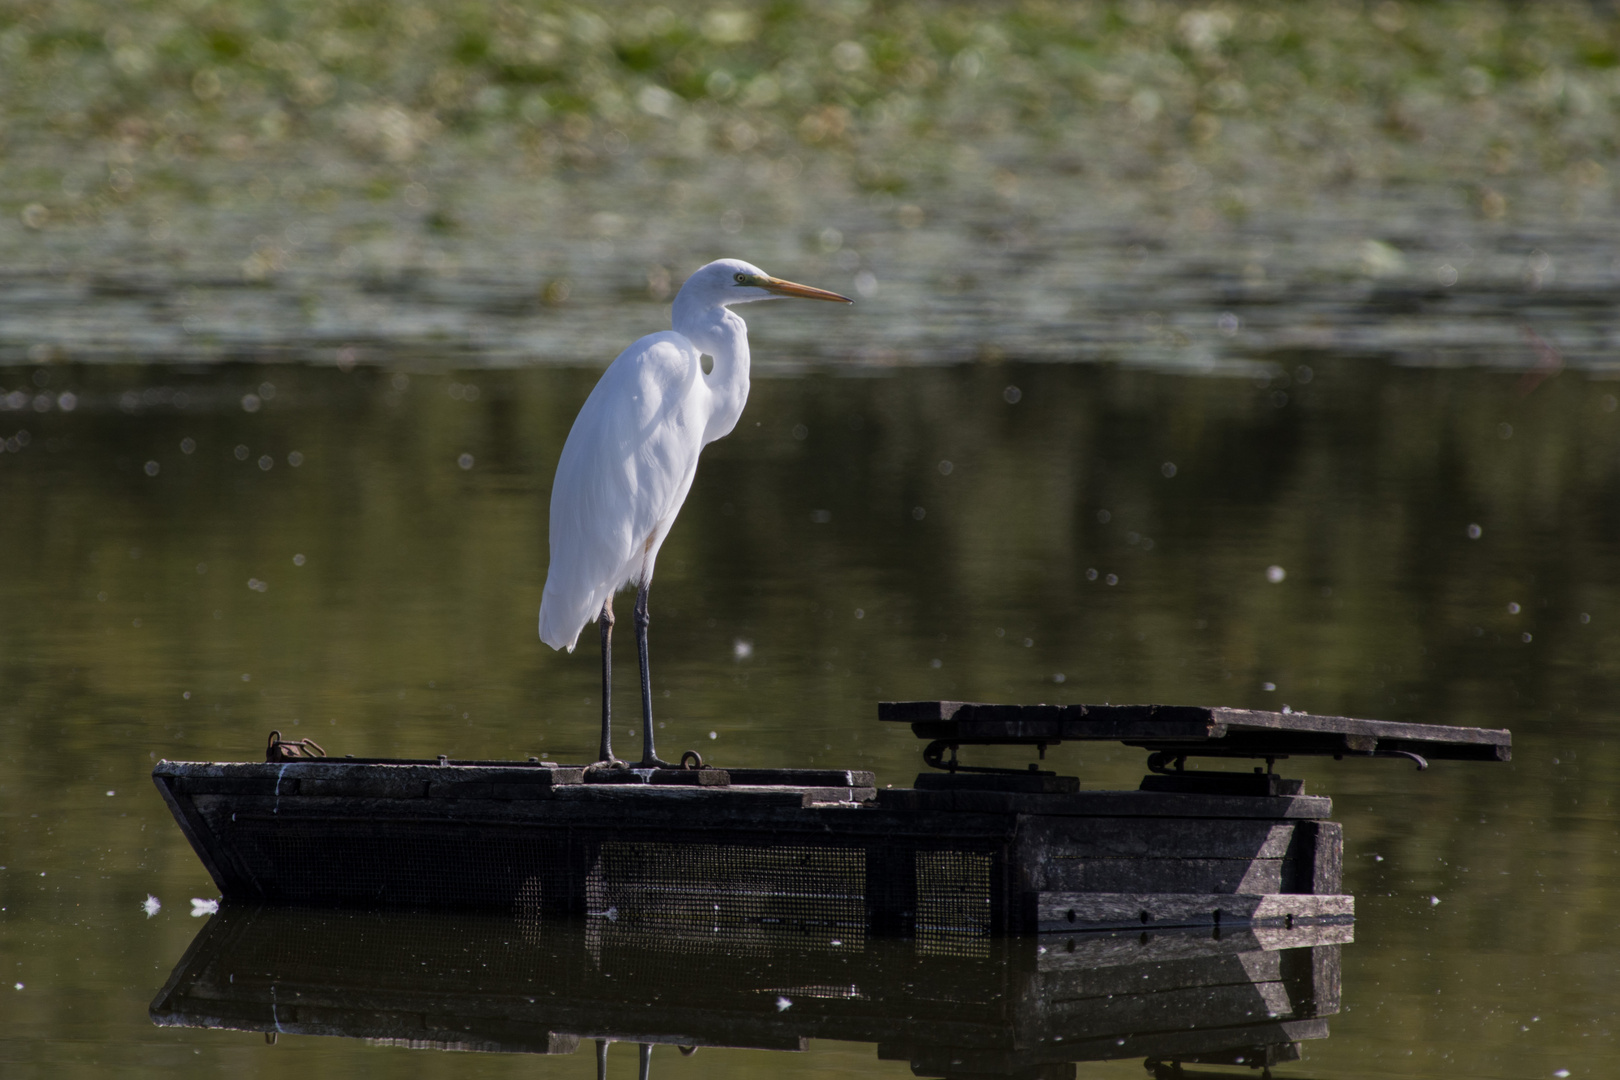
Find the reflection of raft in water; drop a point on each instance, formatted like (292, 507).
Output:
(964, 856)
(1021, 1006)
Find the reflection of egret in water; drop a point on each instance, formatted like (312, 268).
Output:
(630, 458)
(644, 1066)
(1020, 1006)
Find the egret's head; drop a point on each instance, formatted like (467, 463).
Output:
(731, 281)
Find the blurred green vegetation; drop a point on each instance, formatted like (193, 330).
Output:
(1329, 92)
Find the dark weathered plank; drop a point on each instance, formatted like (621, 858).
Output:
(1062, 874)
(1094, 949)
(1177, 838)
(1108, 804)
(1060, 911)
(1147, 977)
(1196, 730)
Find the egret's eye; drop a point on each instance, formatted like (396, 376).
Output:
(742, 279)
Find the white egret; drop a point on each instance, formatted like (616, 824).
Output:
(630, 458)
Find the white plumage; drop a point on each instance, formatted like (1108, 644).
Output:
(624, 473)
(633, 451)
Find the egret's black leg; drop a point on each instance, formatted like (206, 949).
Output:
(646, 1061)
(649, 755)
(601, 1059)
(606, 620)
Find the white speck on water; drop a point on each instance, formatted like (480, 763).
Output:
(742, 649)
(201, 907)
(783, 1004)
(19, 986)
(1286, 710)
(1513, 609)
(801, 432)
(295, 459)
(1378, 858)
(1111, 579)
(111, 793)
(860, 613)
(945, 468)
(1029, 643)
(258, 586)
(1585, 618)
(1268, 687)
(835, 941)
(152, 468)
(1104, 517)
(188, 445)
(465, 461)
(246, 677)
(1434, 901)
(152, 905)
(820, 517)
(266, 462)
(918, 513)
(1504, 430)
(250, 403)
(1228, 323)
(1091, 573)
(241, 453)
(1012, 395)
(714, 734)
(865, 283)
(1168, 469)
(1275, 574)
(1475, 532)
(936, 663)
(1060, 678)
(1525, 638)
(1560, 1073)
(298, 560)
(186, 694)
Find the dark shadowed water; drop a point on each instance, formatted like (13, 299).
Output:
(190, 557)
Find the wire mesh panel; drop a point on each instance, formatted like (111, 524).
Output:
(309, 861)
(744, 894)
(954, 911)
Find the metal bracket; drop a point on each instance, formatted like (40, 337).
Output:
(279, 749)
(934, 756)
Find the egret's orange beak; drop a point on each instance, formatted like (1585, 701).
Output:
(788, 288)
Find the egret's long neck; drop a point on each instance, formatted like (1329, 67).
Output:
(719, 332)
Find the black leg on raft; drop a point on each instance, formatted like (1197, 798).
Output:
(606, 621)
(601, 1059)
(649, 755)
(646, 1062)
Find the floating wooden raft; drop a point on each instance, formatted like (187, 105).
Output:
(1010, 1007)
(962, 855)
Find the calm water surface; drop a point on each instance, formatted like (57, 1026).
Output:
(192, 557)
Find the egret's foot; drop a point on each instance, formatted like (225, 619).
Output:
(608, 765)
(655, 762)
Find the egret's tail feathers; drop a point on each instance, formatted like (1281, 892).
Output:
(559, 626)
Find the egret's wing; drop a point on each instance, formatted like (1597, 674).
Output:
(625, 468)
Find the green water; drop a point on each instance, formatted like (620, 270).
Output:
(380, 597)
